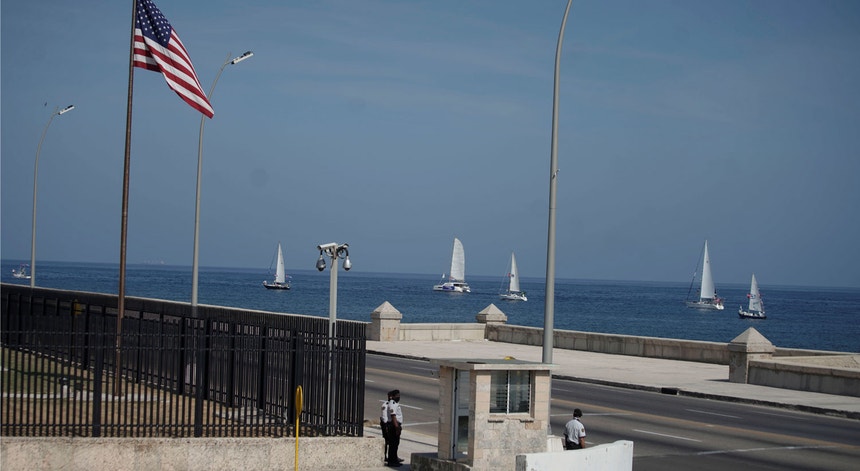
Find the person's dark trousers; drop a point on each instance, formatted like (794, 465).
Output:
(394, 433)
(386, 435)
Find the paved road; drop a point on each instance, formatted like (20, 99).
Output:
(676, 432)
(668, 431)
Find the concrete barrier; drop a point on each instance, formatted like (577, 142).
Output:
(653, 347)
(429, 332)
(837, 374)
(188, 454)
(617, 456)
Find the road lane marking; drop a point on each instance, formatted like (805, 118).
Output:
(751, 450)
(668, 436)
(786, 416)
(410, 424)
(619, 414)
(713, 413)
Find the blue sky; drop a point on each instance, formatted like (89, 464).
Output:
(398, 125)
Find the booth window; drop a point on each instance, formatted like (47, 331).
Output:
(510, 392)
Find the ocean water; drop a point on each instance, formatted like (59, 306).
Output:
(798, 317)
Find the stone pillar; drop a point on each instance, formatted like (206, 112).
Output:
(750, 345)
(385, 323)
(491, 315)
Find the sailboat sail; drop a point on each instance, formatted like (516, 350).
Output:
(280, 271)
(755, 297)
(458, 262)
(707, 291)
(515, 279)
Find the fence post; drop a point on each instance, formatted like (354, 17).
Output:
(98, 377)
(261, 380)
(233, 330)
(201, 330)
(183, 357)
(296, 369)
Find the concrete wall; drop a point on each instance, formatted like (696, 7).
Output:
(654, 347)
(188, 454)
(825, 374)
(425, 332)
(617, 456)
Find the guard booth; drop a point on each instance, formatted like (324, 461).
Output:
(492, 410)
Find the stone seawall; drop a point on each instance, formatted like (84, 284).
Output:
(835, 374)
(654, 347)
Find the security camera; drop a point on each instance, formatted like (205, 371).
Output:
(329, 246)
(347, 264)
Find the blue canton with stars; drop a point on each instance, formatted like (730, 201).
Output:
(152, 23)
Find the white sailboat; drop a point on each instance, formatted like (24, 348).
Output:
(280, 281)
(22, 272)
(756, 307)
(513, 293)
(708, 298)
(456, 282)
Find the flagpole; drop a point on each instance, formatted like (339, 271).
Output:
(124, 224)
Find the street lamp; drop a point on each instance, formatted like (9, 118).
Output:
(334, 251)
(549, 300)
(57, 112)
(195, 263)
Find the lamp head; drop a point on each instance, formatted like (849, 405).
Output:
(244, 56)
(321, 263)
(66, 109)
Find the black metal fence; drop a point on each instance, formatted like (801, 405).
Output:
(223, 372)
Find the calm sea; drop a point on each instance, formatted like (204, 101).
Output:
(798, 317)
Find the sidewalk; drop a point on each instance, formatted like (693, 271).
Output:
(410, 442)
(686, 378)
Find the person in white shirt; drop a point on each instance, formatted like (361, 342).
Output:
(395, 427)
(574, 432)
(385, 425)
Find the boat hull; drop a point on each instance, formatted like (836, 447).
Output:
(513, 296)
(750, 315)
(22, 273)
(706, 305)
(453, 287)
(276, 285)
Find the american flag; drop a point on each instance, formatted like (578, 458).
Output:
(158, 48)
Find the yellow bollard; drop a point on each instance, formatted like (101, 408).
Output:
(299, 401)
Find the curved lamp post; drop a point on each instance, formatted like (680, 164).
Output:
(549, 301)
(57, 112)
(195, 264)
(334, 251)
